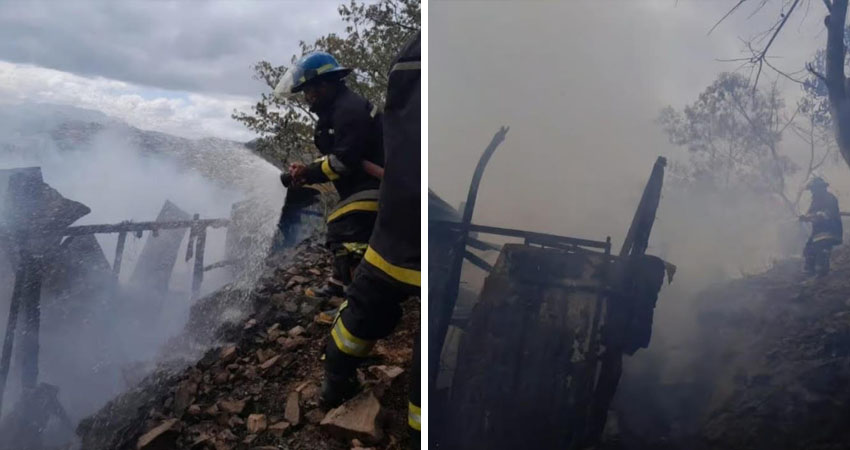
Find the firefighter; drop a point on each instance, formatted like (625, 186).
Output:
(348, 135)
(827, 230)
(389, 273)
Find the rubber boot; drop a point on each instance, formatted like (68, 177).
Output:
(340, 382)
(336, 390)
(809, 266)
(823, 262)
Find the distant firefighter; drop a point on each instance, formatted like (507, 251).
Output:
(827, 231)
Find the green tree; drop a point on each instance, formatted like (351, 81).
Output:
(374, 34)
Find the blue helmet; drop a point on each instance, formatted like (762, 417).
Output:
(315, 66)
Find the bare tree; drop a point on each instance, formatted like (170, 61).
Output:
(833, 77)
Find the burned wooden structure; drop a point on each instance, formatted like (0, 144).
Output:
(541, 352)
(36, 235)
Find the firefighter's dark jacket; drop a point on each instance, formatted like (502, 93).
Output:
(394, 246)
(348, 131)
(828, 224)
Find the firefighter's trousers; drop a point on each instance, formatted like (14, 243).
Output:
(371, 312)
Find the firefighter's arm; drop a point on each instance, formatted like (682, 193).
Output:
(373, 169)
(350, 139)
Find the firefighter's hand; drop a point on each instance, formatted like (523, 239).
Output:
(297, 172)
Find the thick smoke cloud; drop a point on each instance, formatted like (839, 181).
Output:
(580, 84)
(105, 344)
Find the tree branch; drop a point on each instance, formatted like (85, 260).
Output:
(728, 13)
(814, 72)
(762, 56)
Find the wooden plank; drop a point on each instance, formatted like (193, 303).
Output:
(11, 323)
(159, 254)
(119, 252)
(198, 272)
(523, 368)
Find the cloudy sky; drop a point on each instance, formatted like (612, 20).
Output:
(177, 67)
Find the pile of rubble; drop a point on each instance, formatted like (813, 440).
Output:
(259, 390)
(787, 385)
(770, 369)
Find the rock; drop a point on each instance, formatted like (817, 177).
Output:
(296, 331)
(324, 318)
(235, 421)
(292, 412)
(290, 306)
(256, 423)
(228, 435)
(232, 406)
(263, 355)
(221, 377)
(290, 344)
(221, 445)
(386, 373)
(198, 442)
(279, 299)
(228, 354)
(212, 410)
(274, 334)
(183, 396)
(163, 437)
(270, 362)
(279, 429)
(308, 308)
(308, 390)
(357, 418)
(314, 416)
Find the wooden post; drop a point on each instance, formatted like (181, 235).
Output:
(11, 322)
(198, 273)
(443, 311)
(31, 303)
(119, 251)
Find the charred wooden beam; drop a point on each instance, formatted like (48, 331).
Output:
(156, 262)
(446, 305)
(475, 259)
(31, 304)
(220, 264)
(11, 323)
(531, 236)
(634, 246)
(198, 272)
(637, 238)
(119, 252)
(131, 227)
